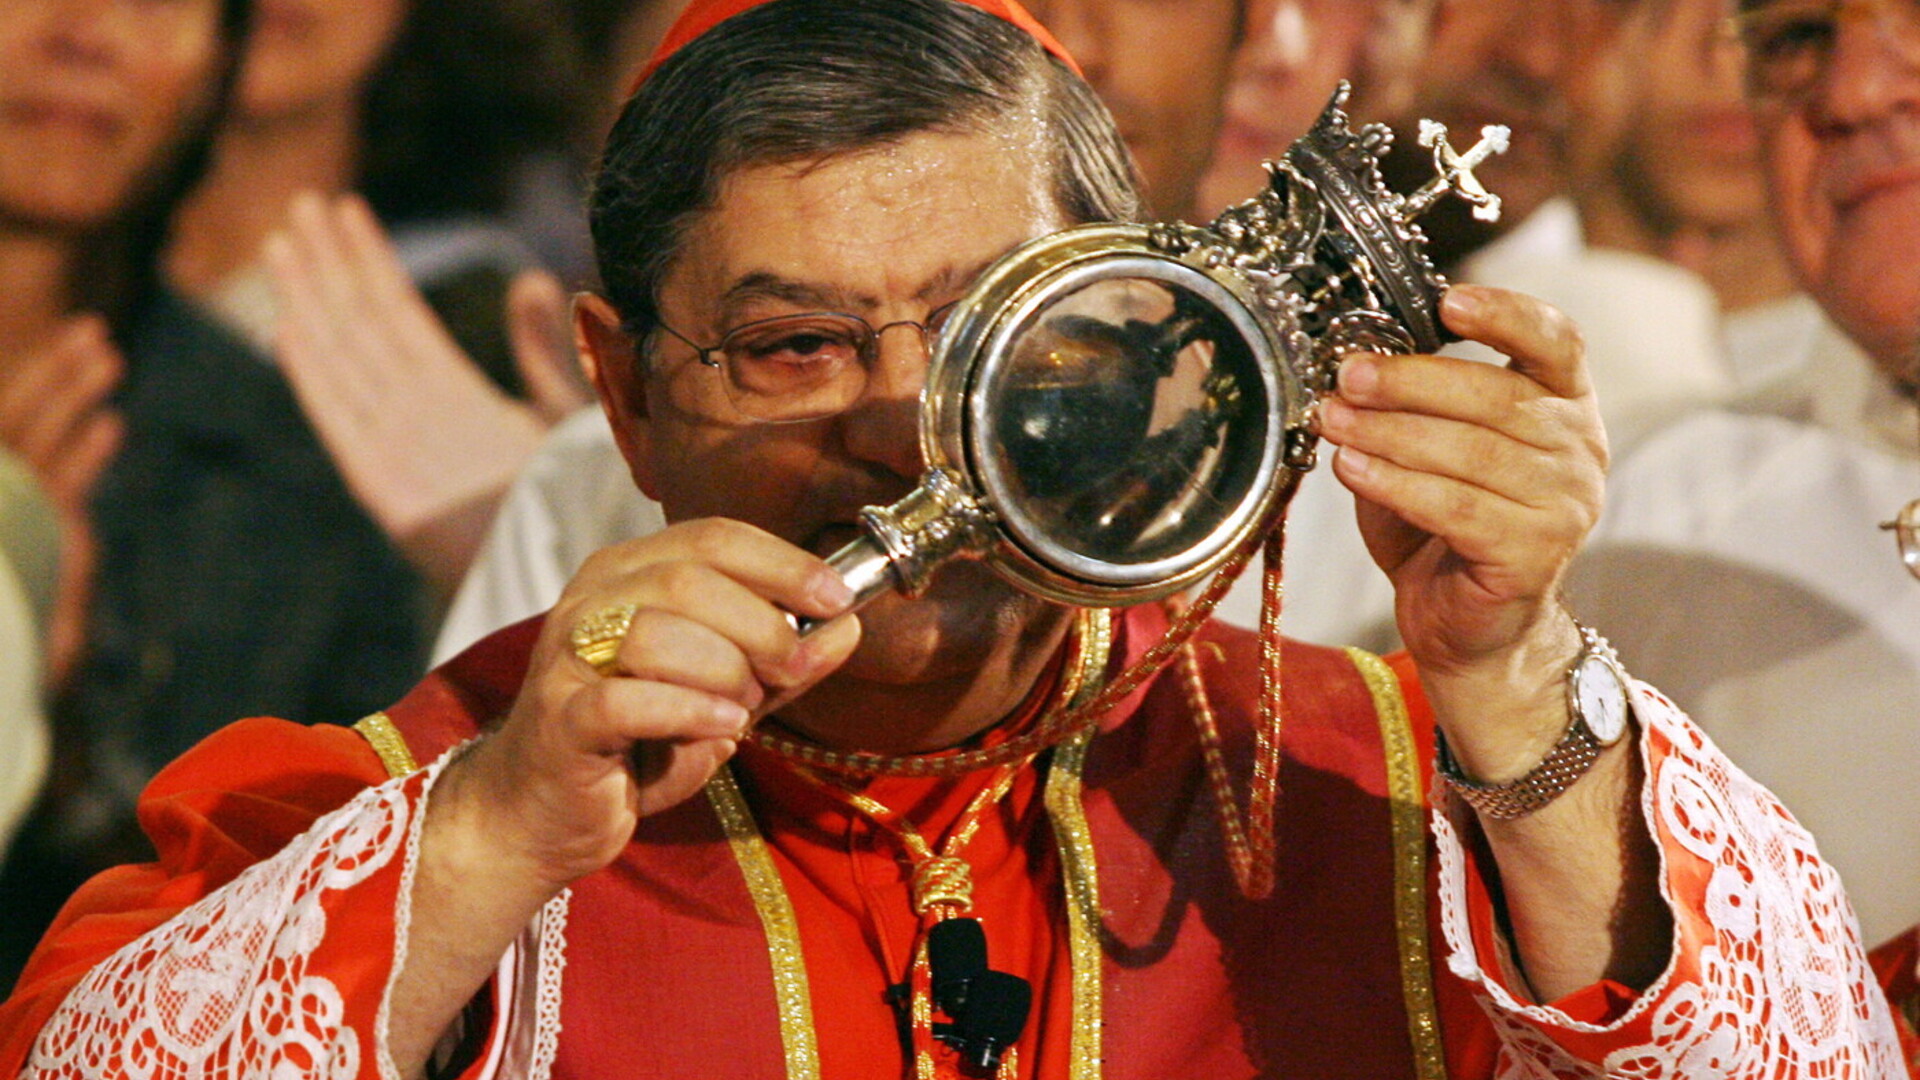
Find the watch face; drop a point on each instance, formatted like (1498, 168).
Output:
(1602, 699)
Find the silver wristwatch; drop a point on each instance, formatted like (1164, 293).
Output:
(1598, 716)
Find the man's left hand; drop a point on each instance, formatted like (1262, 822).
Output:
(1477, 485)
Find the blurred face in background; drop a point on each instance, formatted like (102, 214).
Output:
(1294, 54)
(92, 94)
(1162, 67)
(1498, 62)
(1837, 102)
(314, 56)
(1664, 119)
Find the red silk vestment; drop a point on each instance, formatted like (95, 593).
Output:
(268, 935)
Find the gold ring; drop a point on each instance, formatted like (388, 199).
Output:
(597, 638)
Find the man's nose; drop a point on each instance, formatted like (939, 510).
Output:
(1873, 70)
(884, 426)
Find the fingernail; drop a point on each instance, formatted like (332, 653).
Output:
(1359, 374)
(1462, 301)
(1329, 414)
(1355, 462)
(731, 716)
(831, 591)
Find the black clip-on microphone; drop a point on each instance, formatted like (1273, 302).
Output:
(956, 955)
(989, 1008)
(996, 1014)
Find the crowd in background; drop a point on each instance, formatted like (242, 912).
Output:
(283, 319)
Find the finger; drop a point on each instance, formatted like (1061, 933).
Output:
(357, 355)
(823, 652)
(333, 393)
(785, 574)
(84, 458)
(749, 623)
(1466, 390)
(667, 773)
(661, 646)
(538, 311)
(70, 383)
(45, 373)
(607, 716)
(1477, 525)
(390, 294)
(312, 335)
(1470, 453)
(1540, 341)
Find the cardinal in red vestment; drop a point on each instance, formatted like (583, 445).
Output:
(973, 833)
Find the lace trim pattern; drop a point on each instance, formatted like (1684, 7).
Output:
(222, 991)
(550, 963)
(1779, 983)
(403, 908)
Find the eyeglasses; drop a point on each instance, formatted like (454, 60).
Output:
(1906, 530)
(801, 367)
(1790, 43)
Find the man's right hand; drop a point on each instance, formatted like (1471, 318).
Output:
(583, 756)
(554, 793)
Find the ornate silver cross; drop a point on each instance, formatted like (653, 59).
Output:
(1456, 170)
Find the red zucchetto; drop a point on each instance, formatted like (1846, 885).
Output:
(703, 15)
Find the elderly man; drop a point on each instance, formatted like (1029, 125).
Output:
(589, 881)
(1741, 558)
(575, 498)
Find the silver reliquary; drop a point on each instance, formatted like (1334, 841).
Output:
(1114, 410)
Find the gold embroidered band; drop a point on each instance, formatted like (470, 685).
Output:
(389, 744)
(1409, 863)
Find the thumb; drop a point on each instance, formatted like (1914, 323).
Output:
(537, 316)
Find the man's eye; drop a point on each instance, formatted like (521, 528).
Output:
(1788, 35)
(802, 348)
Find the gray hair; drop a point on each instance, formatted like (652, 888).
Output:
(807, 80)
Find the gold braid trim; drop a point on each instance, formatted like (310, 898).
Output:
(1081, 684)
(776, 919)
(389, 744)
(1409, 808)
(1078, 867)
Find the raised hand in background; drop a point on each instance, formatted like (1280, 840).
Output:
(424, 440)
(56, 416)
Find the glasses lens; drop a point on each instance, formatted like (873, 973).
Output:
(798, 367)
(1787, 44)
(1790, 43)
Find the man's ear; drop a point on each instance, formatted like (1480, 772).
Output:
(612, 362)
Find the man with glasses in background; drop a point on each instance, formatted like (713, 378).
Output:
(1743, 562)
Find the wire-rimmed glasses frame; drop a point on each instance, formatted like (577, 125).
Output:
(807, 366)
(1789, 43)
(1905, 528)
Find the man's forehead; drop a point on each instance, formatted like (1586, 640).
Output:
(894, 223)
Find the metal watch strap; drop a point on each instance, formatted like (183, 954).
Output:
(1563, 766)
(1558, 771)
